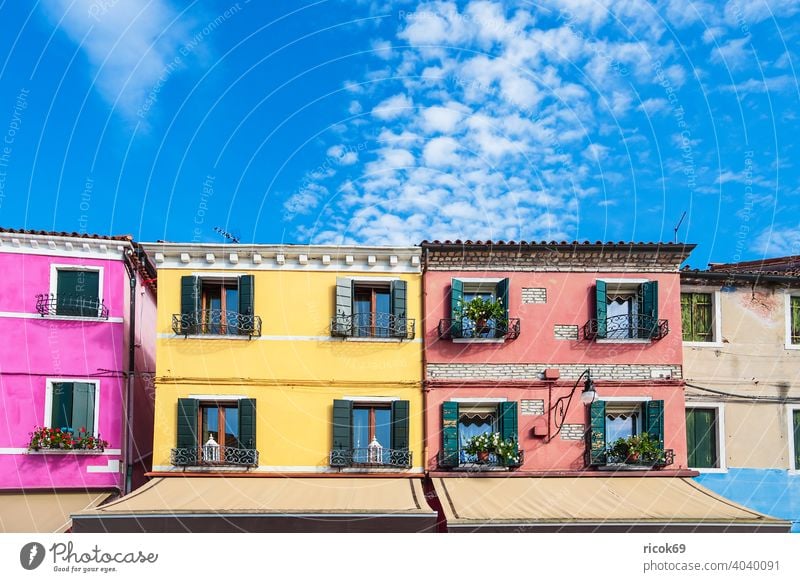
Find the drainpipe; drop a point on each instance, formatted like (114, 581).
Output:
(130, 375)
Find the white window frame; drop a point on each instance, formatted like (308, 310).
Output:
(716, 307)
(56, 267)
(790, 409)
(788, 318)
(48, 400)
(720, 436)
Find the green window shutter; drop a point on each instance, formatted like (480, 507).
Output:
(450, 434)
(398, 291)
(188, 409)
(246, 295)
(344, 306)
(796, 415)
(507, 415)
(61, 415)
(601, 308)
(701, 437)
(83, 407)
(648, 307)
(190, 304)
(247, 423)
(456, 298)
(343, 425)
(795, 323)
(702, 319)
(686, 317)
(400, 412)
(654, 420)
(597, 434)
(502, 294)
(77, 292)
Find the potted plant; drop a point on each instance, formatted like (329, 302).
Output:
(481, 311)
(483, 445)
(480, 445)
(64, 439)
(635, 449)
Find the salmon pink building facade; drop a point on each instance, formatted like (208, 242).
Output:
(77, 412)
(563, 361)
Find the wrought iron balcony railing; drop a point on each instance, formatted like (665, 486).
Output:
(216, 322)
(467, 329)
(467, 462)
(70, 305)
(372, 325)
(214, 455)
(608, 459)
(366, 457)
(618, 327)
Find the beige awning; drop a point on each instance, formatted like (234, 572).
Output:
(45, 511)
(265, 504)
(592, 504)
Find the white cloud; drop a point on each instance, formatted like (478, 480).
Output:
(779, 84)
(739, 13)
(777, 241)
(304, 201)
(383, 49)
(355, 108)
(440, 119)
(393, 107)
(441, 151)
(131, 47)
(734, 54)
(654, 106)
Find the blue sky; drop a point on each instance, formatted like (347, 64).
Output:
(393, 122)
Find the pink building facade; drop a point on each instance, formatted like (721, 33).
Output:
(67, 361)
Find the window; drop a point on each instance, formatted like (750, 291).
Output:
(489, 321)
(72, 405)
(217, 306)
(216, 432)
(462, 421)
(370, 434)
(612, 420)
(702, 437)
(626, 310)
(77, 292)
(794, 320)
(794, 437)
(697, 319)
(371, 309)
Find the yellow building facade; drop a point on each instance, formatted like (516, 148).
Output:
(288, 359)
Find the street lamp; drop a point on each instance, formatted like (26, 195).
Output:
(562, 404)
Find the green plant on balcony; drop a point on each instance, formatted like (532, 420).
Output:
(636, 449)
(484, 444)
(64, 439)
(480, 311)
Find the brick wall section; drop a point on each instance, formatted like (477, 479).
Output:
(534, 295)
(565, 332)
(536, 371)
(531, 407)
(572, 432)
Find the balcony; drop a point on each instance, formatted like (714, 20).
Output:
(50, 305)
(610, 462)
(216, 322)
(371, 458)
(215, 455)
(627, 327)
(467, 329)
(467, 462)
(372, 325)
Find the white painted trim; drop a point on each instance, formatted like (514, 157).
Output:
(20, 315)
(494, 280)
(364, 279)
(617, 281)
(217, 397)
(56, 267)
(23, 451)
(283, 469)
(48, 400)
(479, 400)
(368, 399)
(78, 252)
(788, 294)
(716, 303)
(632, 399)
(790, 408)
(112, 466)
(721, 449)
(478, 340)
(279, 338)
(220, 275)
(623, 341)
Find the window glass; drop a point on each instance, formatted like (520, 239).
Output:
(622, 424)
(360, 428)
(210, 419)
(383, 427)
(470, 425)
(72, 406)
(77, 293)
(795, 321)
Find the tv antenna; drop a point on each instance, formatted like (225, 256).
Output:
(225, 234)
(677, 226)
